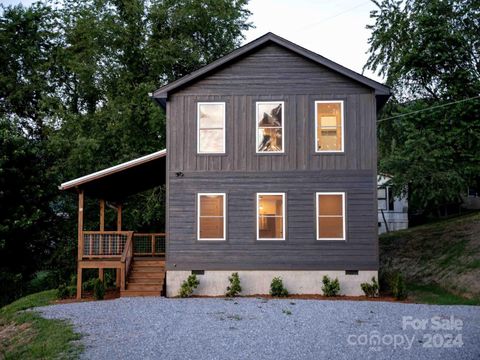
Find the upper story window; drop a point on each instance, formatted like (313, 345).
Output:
(269, 127)
(211, 128)
(211, 216)
(271, 216)
(329, 126)
(330, 216)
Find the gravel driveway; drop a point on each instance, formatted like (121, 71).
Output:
(248, 328)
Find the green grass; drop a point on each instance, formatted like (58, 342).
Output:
(434, 294)
(445, 253)
(26, 335)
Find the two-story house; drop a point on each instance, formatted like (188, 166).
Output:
(271, 169)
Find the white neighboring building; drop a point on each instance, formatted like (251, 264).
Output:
(394, 209)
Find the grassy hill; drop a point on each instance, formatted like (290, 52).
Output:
(440, 259)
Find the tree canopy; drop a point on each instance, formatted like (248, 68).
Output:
(74, 85)
(429, 139)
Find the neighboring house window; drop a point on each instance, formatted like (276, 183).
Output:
(382, 198)
(385, 198)
(269, 127)
(211, 216)
(330, 216)
(211, 128)
(329, 126)
(271, 216)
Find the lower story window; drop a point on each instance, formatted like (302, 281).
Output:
(271, 216)
(330, 216)
(211, 216)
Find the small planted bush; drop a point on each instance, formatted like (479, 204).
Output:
(399, 289)
(234, 288)
(277, 288)
(98, 289)
(330, 287)
(188, 286)
(370, 289)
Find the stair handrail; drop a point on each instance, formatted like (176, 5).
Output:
(126, 260)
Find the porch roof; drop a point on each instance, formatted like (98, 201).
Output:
(117, 182)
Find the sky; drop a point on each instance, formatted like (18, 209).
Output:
(334, 29)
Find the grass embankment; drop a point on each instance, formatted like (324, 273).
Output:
(440, 261)
(26, 335)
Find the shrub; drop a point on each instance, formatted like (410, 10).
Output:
(235, 288)
(98, 289)
(89, 284)
(72, 291)
(42, 280)
(370, 290)
(330, 287)
(399, 289)
(393, 283)
(62, 292)
(277, 288)
(188, 286)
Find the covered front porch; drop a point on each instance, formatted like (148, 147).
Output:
(137, 257)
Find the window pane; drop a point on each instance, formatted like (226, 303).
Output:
(211, 228)
(329, 126)
(269, 114)
(330, 205)
(330, 227)
(269, 139)
(270, 227)
(381, 193)
(270, 205)
(382, 204)
(211, 205)
(211, 141)
(211, 115)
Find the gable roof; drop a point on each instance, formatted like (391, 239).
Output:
(161, 94)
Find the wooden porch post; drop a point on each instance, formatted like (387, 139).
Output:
(119, 217)
(119, 228)
(80, 243)
(102, 228)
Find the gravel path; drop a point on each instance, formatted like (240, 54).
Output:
(159, 328)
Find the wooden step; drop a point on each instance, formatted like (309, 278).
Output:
(140, 293)
(146, 276)
(150, 269)
(145, 287)
(153, 263)
(144, 280)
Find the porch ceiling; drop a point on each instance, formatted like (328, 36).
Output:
(118, 182)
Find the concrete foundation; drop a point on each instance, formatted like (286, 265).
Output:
(214, 283)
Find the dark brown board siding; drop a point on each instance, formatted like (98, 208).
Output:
(300, 250)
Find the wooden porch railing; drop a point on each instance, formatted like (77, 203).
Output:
(120, 247)
(104, 244)
(149, 244)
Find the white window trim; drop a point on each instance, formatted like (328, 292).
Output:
(199, 195)
(343, 217)
(224, 128)
(342, 111)
(256, 127)
(284, 205)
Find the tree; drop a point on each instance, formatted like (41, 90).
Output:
(429, 53)
(74, 98)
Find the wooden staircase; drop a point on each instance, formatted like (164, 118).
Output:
(146, 277)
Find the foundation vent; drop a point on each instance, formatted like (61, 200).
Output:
(351, 272)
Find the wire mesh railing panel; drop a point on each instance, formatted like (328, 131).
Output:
(142, 244)
(160, 244)
(103, 244)
(149, 244)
